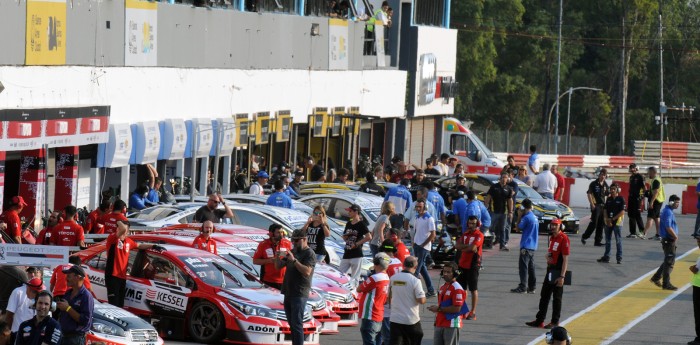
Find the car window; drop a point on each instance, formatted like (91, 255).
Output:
(253, 219)
(480, 186)
(448, 183)
(99, 261)
(525, 191)
(325, 202)
(154, 213)
(339, 210)
(160, 269)
(216, 271)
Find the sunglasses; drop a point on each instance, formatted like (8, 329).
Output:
(317, 213)
(295, 240)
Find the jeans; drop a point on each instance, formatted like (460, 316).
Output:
(618, 241)
(294, 309)
(596, 224)
(697, 225)
(526, 268)
(369, 330)
(385, 336)
(422, 269)
(666, 267)
(635, 216)
(555, 293)
(498, 221)
(374, 249)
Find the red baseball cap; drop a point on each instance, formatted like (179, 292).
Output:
(18, 200)
(36, 284)
(556, 221)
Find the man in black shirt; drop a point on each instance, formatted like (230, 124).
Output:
(500, 200)
(317, 174)
(355, 235)
(295, 185)
(41, 329)
(210, 211)
(371, 187)
(300, 263)
(634, 202)
(614, 216)
(597, 192)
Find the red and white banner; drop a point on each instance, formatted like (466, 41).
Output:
(32, 177)
(66, 185)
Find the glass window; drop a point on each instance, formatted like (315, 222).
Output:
(154, 213)
(458, 145)
(339, 211)
(429, 12)
(255, 220)
(216, 271)
(99, 261)
(480, 186)
(163, 270)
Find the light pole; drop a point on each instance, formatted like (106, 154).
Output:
(556, 117)
(556, 104)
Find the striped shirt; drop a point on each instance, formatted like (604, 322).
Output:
(374, 292)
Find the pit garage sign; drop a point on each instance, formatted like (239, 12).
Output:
(33, 255)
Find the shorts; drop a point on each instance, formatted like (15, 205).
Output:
(655, 210)
(469, 278)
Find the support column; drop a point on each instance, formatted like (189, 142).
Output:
(226, 185)
(32, 180)
(95, 191)
(125, 177)
(179, 171)
(66, 188)
(203, 169)
(2, 178)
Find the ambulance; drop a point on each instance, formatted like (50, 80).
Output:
(460, 142)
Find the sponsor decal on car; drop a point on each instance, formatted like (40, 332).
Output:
(261, 329)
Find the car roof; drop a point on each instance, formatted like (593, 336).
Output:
(365, 200)
(263, 199)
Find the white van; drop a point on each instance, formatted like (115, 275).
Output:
(460, 142)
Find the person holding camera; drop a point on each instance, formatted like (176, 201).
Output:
(317, 230)
(211, 212)
(299, 266)
(76, 308)
(614, 213)
(668, 231)
(41, 329)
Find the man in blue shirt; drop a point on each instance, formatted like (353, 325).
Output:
(436, 199)
(528, 245)
(42, 328)
(668, 231)
(459, 209)
(137, 199)
(400, 196)
(76, 306)
(154, 183)
(287, 189)
(473, 208)
(533, 163)
(279, 198)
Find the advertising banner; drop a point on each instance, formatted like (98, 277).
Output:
(173, 138)
(319, 122)
(242, 130)
(46, 32)
(200, 134)
(140, 33)
(284, 126)
(117, 151)
(337, 44)
(66, 188)
(337, 118)
(33, 255)
(22, 129)
(147, 142)
(32, 179)
(436, 65)
(224, 132)
(262, 127)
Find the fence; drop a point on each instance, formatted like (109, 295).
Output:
(519, 142)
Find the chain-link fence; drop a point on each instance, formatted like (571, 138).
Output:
(519, 142)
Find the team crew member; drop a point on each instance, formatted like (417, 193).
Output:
(68, 232)
(400, 196)
(470, 245)
(41, 329)
(109, 220)
(598, 190)
(154, 184)
(268, 250)
(558, 336)
(204, 240)
(118, 247)
(299, 263)
(695, 280)
(559, 191)
(44, 236)
(405, 297)
(395, 267)
(374, 292)
(318, 230)
(257, 187)
(530, 227)
(438, 202)
(451, 298)
(11, 218)
(355, 235)
(371, 187)
(76, 306)
(669, 235)
(381, 226)
(211, 212)
(279, 198)
(634, 202)
(410, 214)
(500, 198)
(459, 210)
(92, 223)
(614, 216)
(402, 251)
(423, 243)
(553, 286)
(19, 305)
(58, 284)
(656, 199)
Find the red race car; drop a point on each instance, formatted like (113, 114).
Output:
(200, 296)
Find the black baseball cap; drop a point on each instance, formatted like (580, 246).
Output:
(354, 207)
(75, 269)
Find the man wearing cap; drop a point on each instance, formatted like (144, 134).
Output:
(558, 336)
(204, 240)
(267, 252)
(355, 235)
(20, 302)
(42, 329)
(257, 187)
(299, 264)
(68, 232)
(374, 291)
(212, 212)
(11, 218)
(598, 190)
(668, 231)
(634, 202)
(279, 198)
(400, 196)
(76, 306)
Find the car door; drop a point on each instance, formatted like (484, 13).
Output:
(158, 286)
(96, 272)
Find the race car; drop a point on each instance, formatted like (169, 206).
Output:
(229, 247)
(262, 199)
(197, 295)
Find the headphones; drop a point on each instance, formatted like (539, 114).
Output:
(52, 304)
(455, 270)
(550, 338)
(616, 188)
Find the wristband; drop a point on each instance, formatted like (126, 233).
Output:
(68, 309)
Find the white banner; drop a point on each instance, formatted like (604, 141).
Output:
(33, 255)
(337, 44)
(140, 33)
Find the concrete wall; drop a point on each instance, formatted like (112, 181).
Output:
(13, 28)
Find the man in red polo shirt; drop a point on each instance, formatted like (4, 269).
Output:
(451, 298)
(265, 255)
(11, 218)
(92, 223)
(470, 244)
(204, 240)
(68, 233)
(58, 285)
(118, 247)
(559, 191)
(109, 220)
(45, 234)
(401, 251)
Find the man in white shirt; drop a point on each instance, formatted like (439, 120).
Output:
(423, 243)
(405, 297)
(257, 187)
(18, 306)
(546, 182)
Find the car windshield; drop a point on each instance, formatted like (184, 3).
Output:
(373, 213)
(240, 258)
(527, 192)
(154, 213)
(216, 271)
(484, 149)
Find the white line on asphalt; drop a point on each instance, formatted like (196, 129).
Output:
(606, 298)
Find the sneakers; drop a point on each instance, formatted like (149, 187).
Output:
(551, 325)
(471, 316)
(430, 294)
(599, 244)
(641, 237)
(670, 287)
(656, 282)
(505, 248)
(535, 323)
(604, 259)
(632, 236)
(619, 261)
(517, 290)
(655, 237)
(531, 291)
(583, 240)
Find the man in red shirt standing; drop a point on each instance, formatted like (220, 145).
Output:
(448, 318)
(92, 224)
(68, 233)
(557, 263)
(204, 240)
(401, 250)
(109, 220)
(118, 246)
(559, 191)
(374, 291)
(11, 218)
(470, 244)
(45, 234)
(58, 285)
(266, 253)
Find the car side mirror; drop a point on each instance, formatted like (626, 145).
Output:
(476, 156)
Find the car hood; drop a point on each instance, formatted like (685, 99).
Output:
(271, 298)
(121, 317)
(551, 205)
